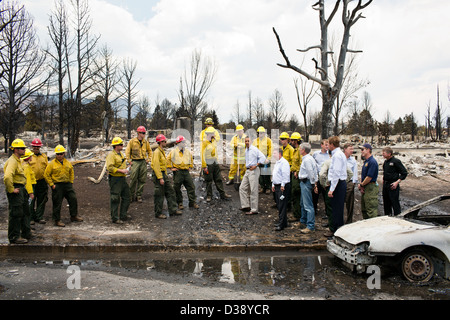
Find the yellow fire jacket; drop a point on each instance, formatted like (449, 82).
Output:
(138, 150)
(115, 161)
(13, 173)
(296, 160)
(180, 160)
(39, 163)
(31, 179)
(209, 152)
(159, 162)
(238, 145)
(288, 153)
(58, 172)
(264, 145)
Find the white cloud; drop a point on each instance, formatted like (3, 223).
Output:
(404, 43)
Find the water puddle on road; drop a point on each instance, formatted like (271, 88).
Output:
(317, 273)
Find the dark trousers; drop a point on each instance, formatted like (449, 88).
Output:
(120, 196)
(183, 177)
(296, 194)
(391, 199)
(282, 204)
(264, 177)
(19, 215)
(37, 207)
(61, 191)
(214, 176)
(324, 192)
(166, 191)
(350, 201)
(337, 205)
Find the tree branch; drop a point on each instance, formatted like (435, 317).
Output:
(292, 67)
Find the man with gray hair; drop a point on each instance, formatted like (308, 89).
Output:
(308, 177)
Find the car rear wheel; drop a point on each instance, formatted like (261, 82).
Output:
(417, 266)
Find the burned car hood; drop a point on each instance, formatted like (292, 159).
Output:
(393, 234)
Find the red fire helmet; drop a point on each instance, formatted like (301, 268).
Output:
(141, 129)
(180, 139)
(36, 143)
(160, 138)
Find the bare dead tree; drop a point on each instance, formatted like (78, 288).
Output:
(305, 93)
(107, 84)
(277, 108)
(85, 52)
(195, 84)
(237, 112)
(259, 112)
(23, 66)
(329, 91)
(351, 84)
(129, 85)
(59, 33)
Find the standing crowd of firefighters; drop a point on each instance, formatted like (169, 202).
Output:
(296, 181)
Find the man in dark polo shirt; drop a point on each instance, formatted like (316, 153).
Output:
(393, 172)
(369, 186)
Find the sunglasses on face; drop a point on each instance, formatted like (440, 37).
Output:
(20, 148)
(60, 154)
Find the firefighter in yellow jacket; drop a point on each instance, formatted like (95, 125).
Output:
(296, 139)
(238, 145)
(60, 177)
(163, 186)
(120, 195)
(139, 154)
(180, 161)
(210, 166)
(264, 144)
(38, 163)
(31, 182)
(15, 181)
(209, 123)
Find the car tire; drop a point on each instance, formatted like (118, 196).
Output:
(417, 266)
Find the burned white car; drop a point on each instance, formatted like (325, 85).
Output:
(418, 244)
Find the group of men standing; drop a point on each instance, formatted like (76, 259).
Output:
(27, 177)
(296, 180)
(299, 178)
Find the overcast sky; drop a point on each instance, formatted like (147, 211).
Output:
(405, 42)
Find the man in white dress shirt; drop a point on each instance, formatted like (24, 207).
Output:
(337, 175)
(281, 186)
(248, 191)
(308, 177)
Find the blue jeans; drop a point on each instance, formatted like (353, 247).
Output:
(307, 206)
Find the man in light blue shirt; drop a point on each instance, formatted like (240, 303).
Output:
(248, 191)
(308, 176)
(337, 175)
(281, 187)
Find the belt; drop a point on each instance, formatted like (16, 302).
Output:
(304, 180)
(137, 159)
(18, 185)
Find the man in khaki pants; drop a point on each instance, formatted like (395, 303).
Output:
(248, 191)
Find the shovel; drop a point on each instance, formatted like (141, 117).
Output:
(237, 184)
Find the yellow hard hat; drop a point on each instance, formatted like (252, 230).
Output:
(284, 135)
(296, 136)
(116, 141)
(210, 130)
(261, 129)
(28, 153)
(239, 127)
(60, 149)
(209, 121)
(18, 143)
